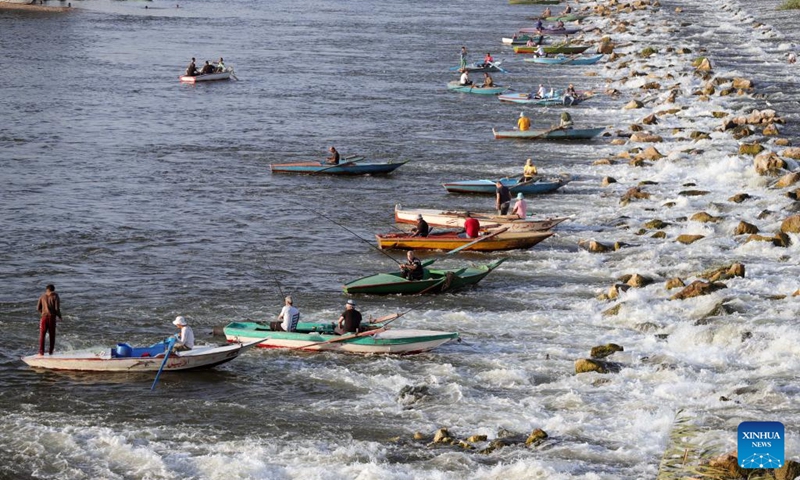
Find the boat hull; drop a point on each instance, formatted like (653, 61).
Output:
(507, 240)
(564, 60)
(488, 186)
(390, 341)
(341, 169)
(199, 357)
(209, 77)
(552, 49)
(435, 281)
(549, 31)
(476, 89)
(456, 219)
(563, 134)
(529, 99)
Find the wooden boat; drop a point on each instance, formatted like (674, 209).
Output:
(534, 2)
(570, 17)
(538, 185)
(479, 67)
(552, 49)
(311, 336)
(479, 89)
(550, 134)
(567, 60)
(522, 39)
(456, 218)
(549, 31)
(209, 77)
(434, 281)
(506, 240)
(549, 101)
(125, 358)
(344, 168)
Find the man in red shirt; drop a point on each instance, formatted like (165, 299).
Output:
(50, 308)
(472, 226)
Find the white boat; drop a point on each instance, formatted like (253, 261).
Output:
(125, 358)
(209, 77)
(456, 218)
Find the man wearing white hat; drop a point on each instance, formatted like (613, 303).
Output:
(350, 319)
(185, 336)
(288, 318)
(524, 123)
(422, 229)
(520, 207)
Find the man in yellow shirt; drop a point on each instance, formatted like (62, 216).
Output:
(529, 171)
(524, 123)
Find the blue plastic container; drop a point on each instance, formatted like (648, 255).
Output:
(124, 350)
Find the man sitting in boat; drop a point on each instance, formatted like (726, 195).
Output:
(540, 52)
(520, 207)
(191, 70)
(547, 13)
(566, 121)
(560, 25)
(288, 318)
(570, 95)
(421, 229)
(567, 10)
(488, 60)
(524, 123)
(350, 320)
(333, 158)
(472, 227)
(464, 78)
(487, 81)
(220, 67)
(207, 68)
(412, 269)
(185, 336)
(529, 171)
(540, 92)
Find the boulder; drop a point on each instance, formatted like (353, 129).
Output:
(636, 127)
(656, 224)
(604, 351)
(787, 180)
(612, 311)
(781, 240)
(616, 289)
(703, 65)
(741, 132)
(750, 149)
(793, 153)
(608, 181)
(633, 104)
(618, 141)
(704, 217)
(698, 288)
(603, 161)
(791, 224)
(742, 83)
(651, 86)
(693, 193)
(768, 163)
(646, 137)
(634, 193)
(687, 239)
(745, 228)
(739, 198)
(736, 270)
(594, 246)
(606, 48)
(698, 135)
(442, 436)
(718, 114)
(758, 238)
(536, 437)
(674, 283)
(477, 438)
(789, 471)
(659, 234)
(782, 142)
(727, 466)
(638, 281)
(584, 365)
(650, 119)
(771, 130)
(650, 153)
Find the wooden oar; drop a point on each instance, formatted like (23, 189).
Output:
(356, 160)
(170, 344)
(487, 237)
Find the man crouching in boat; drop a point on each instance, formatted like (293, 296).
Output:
(185, 336)
(412, 269)
(191, 70)
(350, 320)
(288, 318)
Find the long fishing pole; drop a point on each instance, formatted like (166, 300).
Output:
(358, 237)
(274, 277)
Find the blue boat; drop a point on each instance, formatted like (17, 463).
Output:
(479, 67)
(537, 185)
(344, 168)
(567, 60)
(556, 133)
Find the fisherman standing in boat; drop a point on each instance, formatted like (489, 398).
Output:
(191, 70)
(520, 207)
(529, 171)
(502, 198)
(333, 158)
(185, 336)
(524, 123)
(288, 318)
(49, 306)
(412, 269)
(350, 320)
(463, 59)
(421, 229)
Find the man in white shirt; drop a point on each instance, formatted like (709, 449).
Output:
(185, 336)
(289, 317)
(465, 79)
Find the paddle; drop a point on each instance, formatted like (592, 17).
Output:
(487, 237)
(498, 67)
(170, 343)
(357, 159)
(545, 133)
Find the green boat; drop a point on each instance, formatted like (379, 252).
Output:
(310, 336)
(534, 2)
(434, 281)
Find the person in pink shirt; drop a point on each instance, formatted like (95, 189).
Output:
(520, 207)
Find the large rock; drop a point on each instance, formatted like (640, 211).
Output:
(603, 351)
(703, 65)
(638, 281)
(768, 163)
(584, 365)
(687, 239)
(787, 180)
(608, 181)
(793, 153)
(650, 153)
(646, 137)
(745, 228)
(727, 467)
(750, 148)
(633, 104)
(698, 288)
(594, 246)
(739, 198)
(791, 224)
(650, 119)
(675, 282)
(771, 131)
(442, 436)
(536, 437)
(742, 83)
(606, 48)
(740, 132)
(656, 224)
(704, 217)
(633, 193)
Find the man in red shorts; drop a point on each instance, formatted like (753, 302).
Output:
(50, 308)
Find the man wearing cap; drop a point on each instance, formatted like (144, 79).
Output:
(520, 207)
(502, 198)
(350, 319)
(288, 318)
(412, 269)
(422, 229)
(185, 336)
(524, 123)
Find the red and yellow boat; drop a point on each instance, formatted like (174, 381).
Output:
(506, 240)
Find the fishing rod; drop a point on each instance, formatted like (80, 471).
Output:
(274, 277)
(358, 237)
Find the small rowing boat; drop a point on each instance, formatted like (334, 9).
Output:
(552, 49)
(570, 17)
(480, 67)
(506, 240)
(320, 336)
(534, 2)
(567, 60)
(344, 168)
(125, 358)
(208, 77)
(549, 31)
(456, 218)
(556, 98)
(550, 134)
(537, 185)
(522, 39)
(434, 281)
(479, 89)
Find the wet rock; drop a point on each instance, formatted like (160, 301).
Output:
(782, 142)
(495, 444)
(659, 234)
(702, 64)
(727, 466)
(442, 436)
(793, 153)
(791, 224)
(594, 246)
(781, 240)
(634, 193)
(633, 104)
(412, 394)
(719, 114)
(739, 198)
(612, 311)
(704, 217)
(745, 228)
(649, 153)
(750, 148)
(741, 132)
(636, 128)
(742, 83)
(726, 271)
(789, 471)
(687, 239)
(584, 365)
(638, 281)
(616, 289)
(697, 136)
(603, 351)
(419, 436)
(618, 141)
(698, 288)
(787, 180)
(768, 163)
(770, 130)
(464, 445)
(758, 238)
(606, 48)
(603, 161)
(536, 437)
(651, 86)
(674, 283)
(646, 327)
(477, 438)
(608, 181)
(656, 224)
(693, 193)
(764, 214)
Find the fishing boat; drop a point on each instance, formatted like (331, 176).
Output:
(514, 185)
(570, 17)
(344, 168)
(456, 218)
(550, 134)
(434, 281)
(549, 31)
(124, 358)
(208, 77)
(320, 336)
(479, 89)
(480, 67)
(534, 2)
(552, 49)
(550, 100)
(567, 60)
(522, 39)
(506, 240)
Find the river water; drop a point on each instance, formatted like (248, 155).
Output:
(142, 199)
